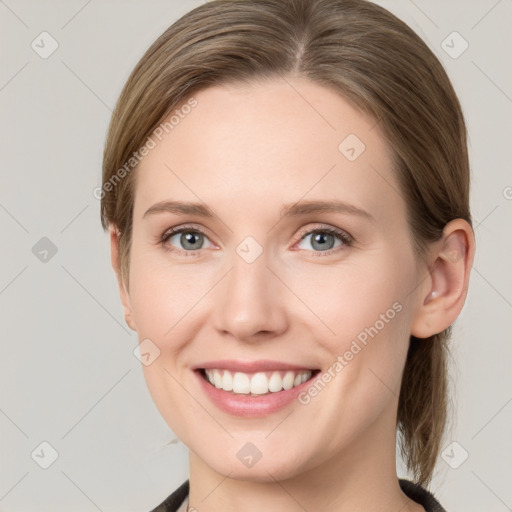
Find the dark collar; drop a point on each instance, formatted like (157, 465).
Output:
(410, 489)
(420, 495)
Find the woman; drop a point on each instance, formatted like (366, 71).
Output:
(286, 187)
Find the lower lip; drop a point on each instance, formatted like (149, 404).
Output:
(249, 406)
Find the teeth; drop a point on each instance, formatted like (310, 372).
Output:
(259, 383)
(275, 383)
(227, 381)
(241, 383)
(288, 380)
(217, 380)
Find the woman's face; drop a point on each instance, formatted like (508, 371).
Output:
(273, 287)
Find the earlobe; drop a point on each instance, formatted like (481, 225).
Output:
(448, 280)
(116, 265)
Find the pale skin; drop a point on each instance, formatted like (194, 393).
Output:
(245, 152)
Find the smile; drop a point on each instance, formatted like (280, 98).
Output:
(253, 389)
(255, 384)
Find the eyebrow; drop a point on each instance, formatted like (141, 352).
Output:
(288, 210)
(180, 208)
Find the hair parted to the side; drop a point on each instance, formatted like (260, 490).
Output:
(373, 60)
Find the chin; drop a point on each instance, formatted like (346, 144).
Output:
(265, 469)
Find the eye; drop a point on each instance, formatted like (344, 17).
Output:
(185, 239)
(323, 240)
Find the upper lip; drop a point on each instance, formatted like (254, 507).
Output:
(249, 366)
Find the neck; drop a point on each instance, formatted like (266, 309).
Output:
(362, 477)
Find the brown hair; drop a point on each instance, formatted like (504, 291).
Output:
(372, 59)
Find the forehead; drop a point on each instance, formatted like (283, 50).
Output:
(271, 142)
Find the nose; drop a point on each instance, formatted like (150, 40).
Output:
(249, 303)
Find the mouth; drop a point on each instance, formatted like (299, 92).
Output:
(256, 384)
(253, 389)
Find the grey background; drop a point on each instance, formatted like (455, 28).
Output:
(68, 375)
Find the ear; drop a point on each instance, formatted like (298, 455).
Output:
(116, 265)
(443, 296)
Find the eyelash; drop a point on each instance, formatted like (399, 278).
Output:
(343, 236)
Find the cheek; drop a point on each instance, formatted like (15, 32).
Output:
(168, 310)
(163, 294)
(361, 381)
(365, 327)
(353, 297)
